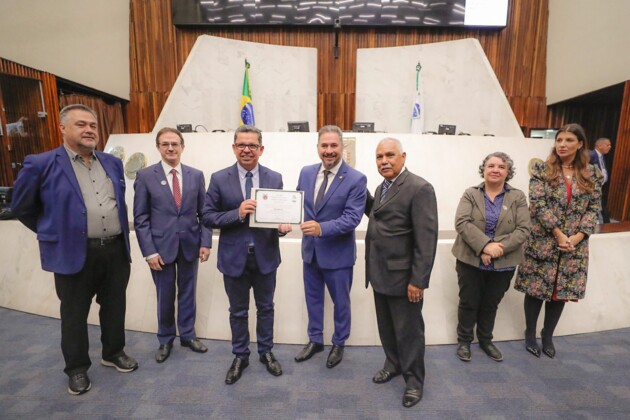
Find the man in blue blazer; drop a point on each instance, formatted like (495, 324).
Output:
(597, 157)
(167, 210)
(248, 257)
(73, 198)
(334, 201)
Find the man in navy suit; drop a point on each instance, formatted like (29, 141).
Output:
(598, 158)
(73, 198)
(334, 201)
(248, 257)
(167, 210)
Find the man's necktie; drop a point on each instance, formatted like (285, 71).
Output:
(249, 184)
(386, 185)
(177, 192)
(322, 191)
(602, 165)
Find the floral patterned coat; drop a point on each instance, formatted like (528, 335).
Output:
(544, 262)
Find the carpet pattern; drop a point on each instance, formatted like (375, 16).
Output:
(590, 378)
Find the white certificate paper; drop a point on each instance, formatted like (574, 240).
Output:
(274, 207)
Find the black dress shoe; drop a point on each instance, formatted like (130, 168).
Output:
(122, 363)
(463, 352)
(335, 356)
(79, 383)
(411, 397)
(163, 352)
(383, 376)
(273, 366)
(531, 345)
(195, 345)
(547, 345)
(308, 351)
(236, 370)
(491, 350)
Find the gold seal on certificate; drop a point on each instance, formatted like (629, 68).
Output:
(275, 207)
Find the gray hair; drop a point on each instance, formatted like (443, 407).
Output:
(505, 158)
(330, 129)
(248, 129)
(63, 114)
(601, 140)
(396, 142)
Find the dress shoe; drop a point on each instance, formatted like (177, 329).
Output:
(335, 356)
(122, 363)
(531, 345)
(273, 366)
(463, 352)
(491, 350)
(411, 397)
(79, 383)
(236, 370)
(383, 376)
(195, 345)
(308, 351)
(163, 352)
(547, 345)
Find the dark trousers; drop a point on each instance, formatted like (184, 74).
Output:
(106, 275)
(183, 274)
(480, 292)
(338, 282)
(401, 329)
(237, 289)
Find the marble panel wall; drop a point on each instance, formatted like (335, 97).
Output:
(207, 93)
(458, 84)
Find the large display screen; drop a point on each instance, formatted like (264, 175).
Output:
(340, 13)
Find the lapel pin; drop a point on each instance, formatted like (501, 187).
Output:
(163, 182)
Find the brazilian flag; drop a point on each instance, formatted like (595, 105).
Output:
(247, 107)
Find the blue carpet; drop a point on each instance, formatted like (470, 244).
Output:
(590, 378)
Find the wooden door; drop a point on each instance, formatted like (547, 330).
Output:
(23, 123)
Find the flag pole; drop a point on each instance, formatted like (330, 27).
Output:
(417, 111)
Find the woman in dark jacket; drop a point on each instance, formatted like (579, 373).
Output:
(492, 224)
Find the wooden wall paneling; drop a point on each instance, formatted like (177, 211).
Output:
(619, 192)
(46, 129)
(51, 101)
(158, 51)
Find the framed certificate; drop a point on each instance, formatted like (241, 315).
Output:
(274, 207)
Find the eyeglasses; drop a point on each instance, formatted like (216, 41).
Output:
(253, 147)
(166, 145)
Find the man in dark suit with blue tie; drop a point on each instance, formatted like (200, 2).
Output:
(73, 198)
(248, 257)
(400, 247)
(334, 201)
(598, 158)
(167, 208)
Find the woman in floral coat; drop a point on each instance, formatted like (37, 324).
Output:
(564, 199)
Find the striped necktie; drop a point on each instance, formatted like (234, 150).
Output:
(386, 185)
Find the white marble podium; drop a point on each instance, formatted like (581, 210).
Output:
(25, 287)
(450, 163)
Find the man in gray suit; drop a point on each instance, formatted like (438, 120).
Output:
(400, 248)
